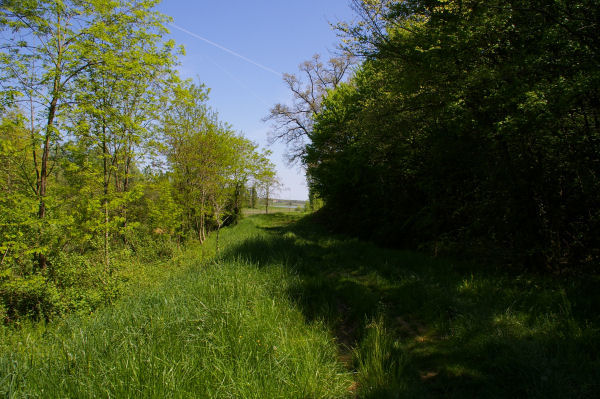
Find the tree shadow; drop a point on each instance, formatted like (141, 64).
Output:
(466, 330)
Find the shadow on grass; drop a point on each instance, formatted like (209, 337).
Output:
(412, 325)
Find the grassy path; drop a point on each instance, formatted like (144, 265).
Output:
(289, 311)
(408, 325)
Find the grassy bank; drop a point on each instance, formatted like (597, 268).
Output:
(288, 310)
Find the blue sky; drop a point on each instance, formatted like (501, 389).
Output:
(278, 34)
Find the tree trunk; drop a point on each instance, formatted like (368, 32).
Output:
(202, 218)
(126, 185)
(105, 199)
(202, 227)
(42, 181)
(237, 193)
(267, 202)
(253, 197)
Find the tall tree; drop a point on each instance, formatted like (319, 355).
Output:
(183, 123)
(119, 96)
(45, 43)
(293, 123)
(47, 46)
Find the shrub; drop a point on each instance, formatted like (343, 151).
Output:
(148, 247)
(30, 296)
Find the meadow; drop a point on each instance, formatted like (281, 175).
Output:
(289, 310)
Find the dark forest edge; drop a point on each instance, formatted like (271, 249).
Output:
(469, 128)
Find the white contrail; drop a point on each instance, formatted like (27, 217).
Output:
(226, 49)
(235, 79)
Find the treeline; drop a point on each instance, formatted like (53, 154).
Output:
(471, 128)
(107, 155)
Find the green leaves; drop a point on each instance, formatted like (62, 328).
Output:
(209, 163)
(89, 98)
(465, 129)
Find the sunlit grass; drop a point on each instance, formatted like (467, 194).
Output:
(218, 329)
(289, 310)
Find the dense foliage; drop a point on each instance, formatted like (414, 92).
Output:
(471, 127)
(108, 157)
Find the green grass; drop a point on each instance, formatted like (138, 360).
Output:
(218, 329)
(289, 310)
(409, 325)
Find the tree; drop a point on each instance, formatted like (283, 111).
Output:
(266, 179)
(183, 125)
(45, 52)
(293, 124)
(470, 127)
(119, 96)
(48, 45)
(246, 163)
(209, 162)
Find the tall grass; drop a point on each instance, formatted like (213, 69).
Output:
(415, 326)
(289, 310)
(219, 329)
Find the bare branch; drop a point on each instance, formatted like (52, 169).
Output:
(292, 124)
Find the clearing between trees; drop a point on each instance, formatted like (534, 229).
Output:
(288, 310)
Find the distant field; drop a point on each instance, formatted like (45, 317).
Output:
(272, 209)
(276, 205)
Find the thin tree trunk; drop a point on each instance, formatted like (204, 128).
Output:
(267, 202)
(126, 184)
(106, 249)
(105, 200)
(203, 217)
(34, 149)
(42, 183)
(202, 228)
(198, 228)
(237, 199)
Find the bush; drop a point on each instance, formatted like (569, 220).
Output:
(70, 269)
(84, 284)
(148, 247)
(30, 296)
